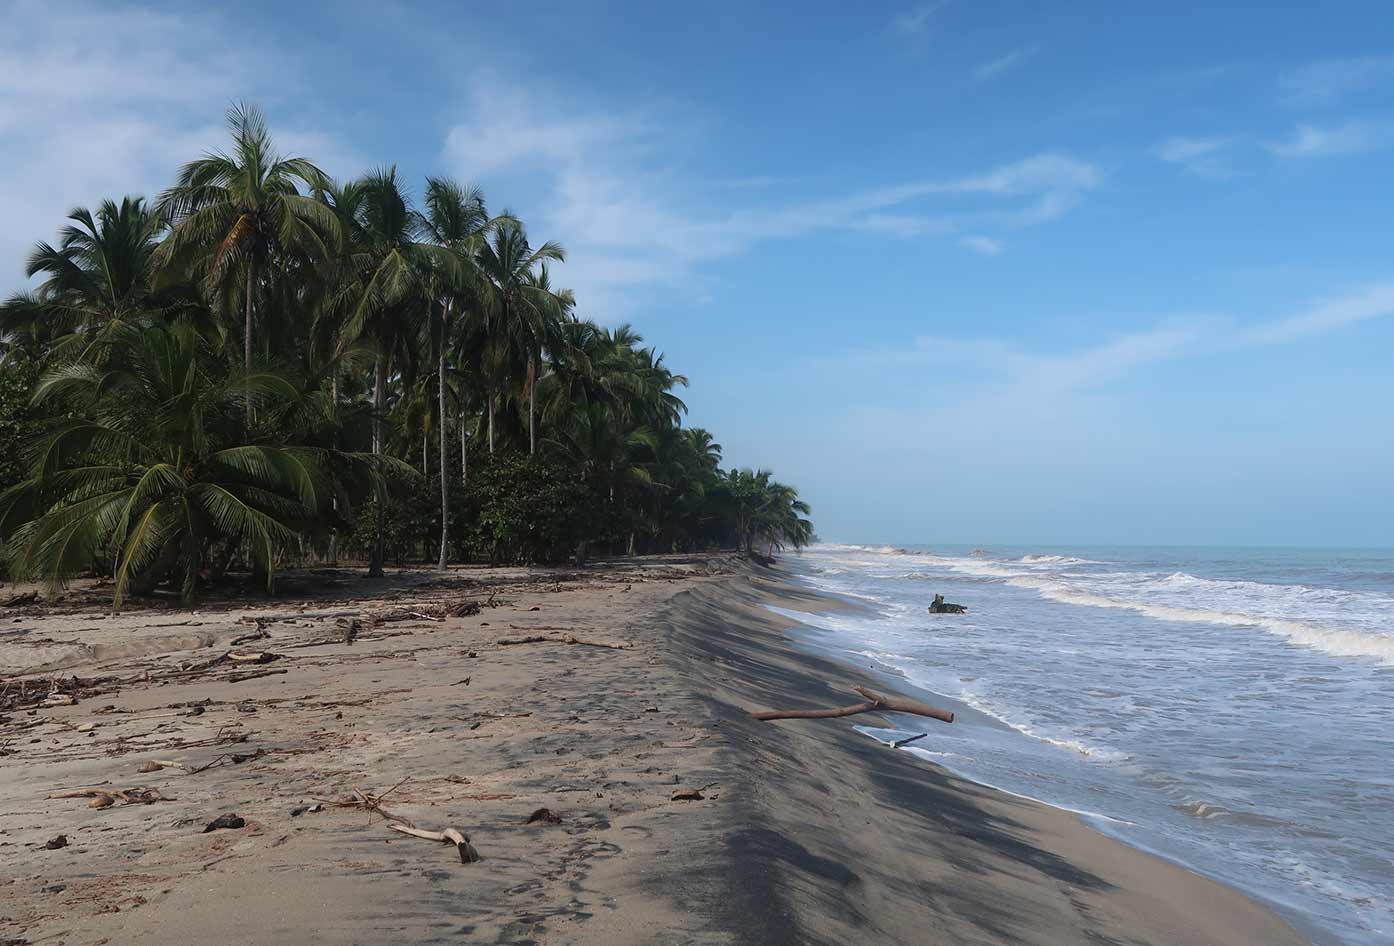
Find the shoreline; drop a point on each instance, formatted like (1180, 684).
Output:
(486, 728)
(993, 867)
(809, 637)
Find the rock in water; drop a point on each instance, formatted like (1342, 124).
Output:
(940, 606)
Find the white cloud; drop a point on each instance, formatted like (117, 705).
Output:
(1326, 81)
(609, 185)
(987, 246)
(1313, 141)
(996, 365)
(81, 120)
(916, 19)
(1372, 303)
(994, 68)
(1204, 156)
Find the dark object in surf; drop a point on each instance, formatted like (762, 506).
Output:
(940, 606)
(544, 816)
(56, 842)
(224, 821)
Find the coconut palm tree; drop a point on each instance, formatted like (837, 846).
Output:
(401, 267)
(517, 307)
(455, 218)
(231, 215)
(150, 470)
(97, 280)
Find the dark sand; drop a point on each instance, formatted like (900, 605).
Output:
(808, 831)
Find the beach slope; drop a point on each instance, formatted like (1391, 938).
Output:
(588, 730)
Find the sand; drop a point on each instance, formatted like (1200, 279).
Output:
(805, 832)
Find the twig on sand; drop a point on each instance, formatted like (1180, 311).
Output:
(874, 702)
(373, 803)
(568, 639)
(468, 855)
(101, 798)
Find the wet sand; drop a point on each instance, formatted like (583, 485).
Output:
(806, 832)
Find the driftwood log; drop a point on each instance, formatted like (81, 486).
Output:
(874, 702)
(940, 606)
(468, 855)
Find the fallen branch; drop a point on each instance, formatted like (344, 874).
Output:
(252, 675)
(468, 855)
(568, 639)
(255, 657)
(296, 616)
(874, 702)
(101, 798)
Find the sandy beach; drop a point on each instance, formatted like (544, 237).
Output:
(610, 705)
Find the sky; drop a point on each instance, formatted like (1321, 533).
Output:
(981, 272)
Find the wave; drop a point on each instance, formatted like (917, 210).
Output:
(1210, 811)
(1057, 560)
(1097, 753)
(1334, 640)
(1338, 622)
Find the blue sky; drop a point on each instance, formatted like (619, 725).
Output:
(962, 271)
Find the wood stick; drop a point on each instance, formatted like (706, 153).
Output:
(468, 855)
(874, 702)
(296, 616)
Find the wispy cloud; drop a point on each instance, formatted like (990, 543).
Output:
(987, 246)
(1111, 360)
(917, 18)
(1316, 141)
(78, 123)
(1327, 81)
(1204, 156)
(607, 182)
(995, 68)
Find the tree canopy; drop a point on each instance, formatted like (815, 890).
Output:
(143, 442)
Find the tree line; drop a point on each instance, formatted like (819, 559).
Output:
(265, 366)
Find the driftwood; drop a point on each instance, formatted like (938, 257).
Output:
(940, 606)
(874, 702)
(252, 675)
(568, 639)
(468, 855)
(101, 798)
(296, 616)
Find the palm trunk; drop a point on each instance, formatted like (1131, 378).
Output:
(532, 401)
(464, 454)
(491, 421)
(334, 501)
(379, 399)
(247, 332)
(444, 483)
(425, 441)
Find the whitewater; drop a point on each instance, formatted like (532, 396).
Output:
(1231, 709)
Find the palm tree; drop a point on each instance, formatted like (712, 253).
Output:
(455, 218)
(97, 280)
(232, 214)
(401, 267)
(518, 307)
(150, 469)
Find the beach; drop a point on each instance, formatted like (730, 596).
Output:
(610, 705)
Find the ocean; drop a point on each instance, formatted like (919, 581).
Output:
(1230, 709)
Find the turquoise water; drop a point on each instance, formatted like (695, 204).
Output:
(1232, 709)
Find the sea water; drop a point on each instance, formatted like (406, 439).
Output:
(1231, 709)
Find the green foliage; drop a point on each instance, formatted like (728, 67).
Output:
(19, 422)
(409, 385)
(522, 508)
